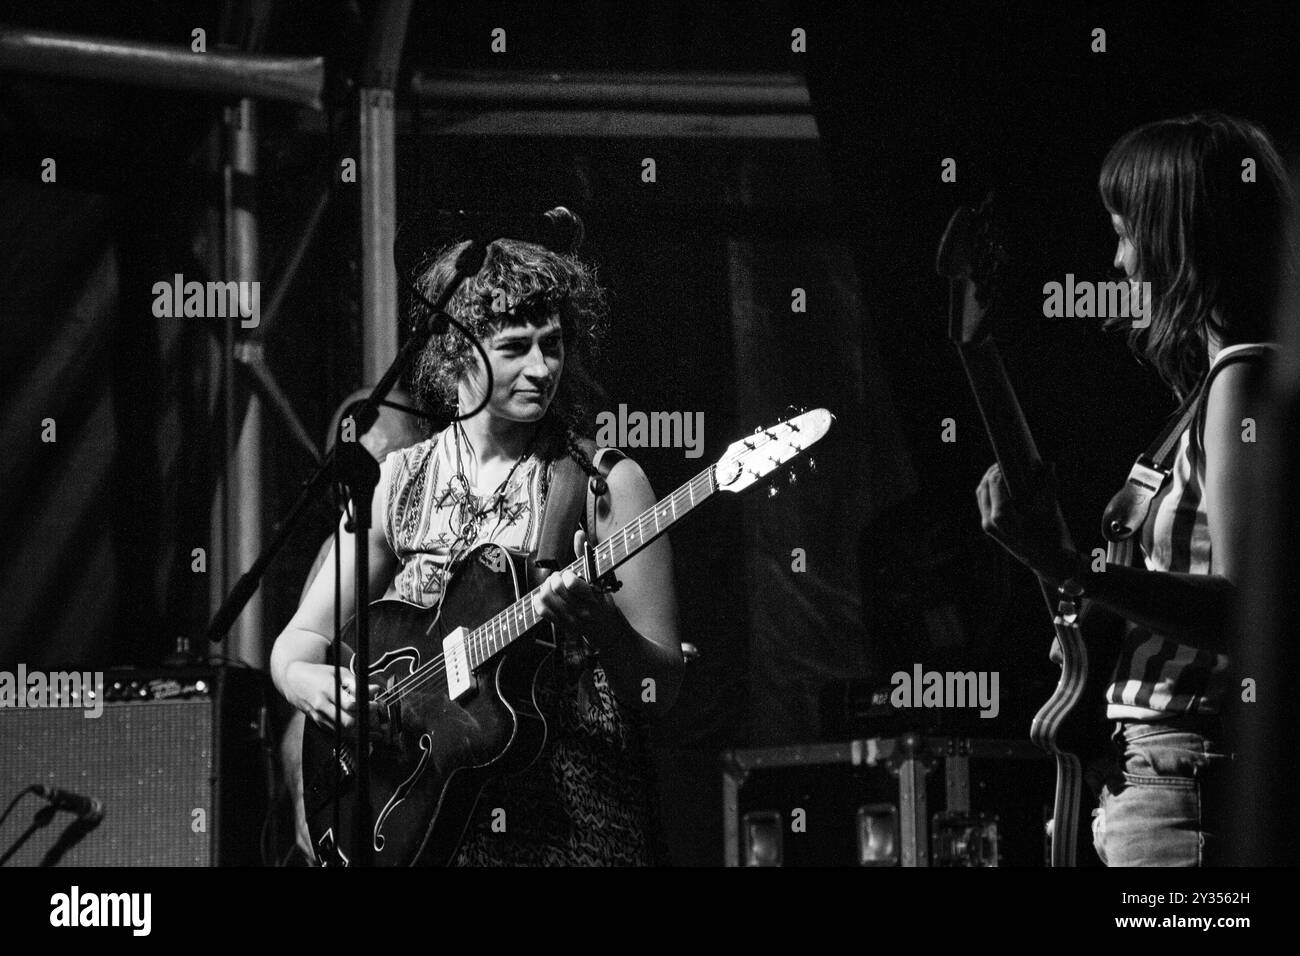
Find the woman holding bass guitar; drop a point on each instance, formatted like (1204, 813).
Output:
(1197, 205)
(540, 316)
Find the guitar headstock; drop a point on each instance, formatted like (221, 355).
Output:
(973, 254)
(754, 458)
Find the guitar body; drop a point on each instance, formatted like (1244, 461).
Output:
(1072, 726)
(433, 755)
(434, 751)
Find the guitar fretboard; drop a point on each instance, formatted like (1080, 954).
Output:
(494, 635)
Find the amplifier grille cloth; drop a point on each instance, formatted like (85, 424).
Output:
(149, 762)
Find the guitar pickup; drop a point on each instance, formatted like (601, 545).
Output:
(456, 658)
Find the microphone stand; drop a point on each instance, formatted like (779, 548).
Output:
(351, 465)
(70, 837)
(40, 819)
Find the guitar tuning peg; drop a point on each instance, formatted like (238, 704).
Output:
(773, 491)
(792, 478)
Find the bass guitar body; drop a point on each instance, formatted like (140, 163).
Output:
(1071, 726)
(431, 755)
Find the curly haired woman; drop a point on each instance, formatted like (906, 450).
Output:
(540, 317)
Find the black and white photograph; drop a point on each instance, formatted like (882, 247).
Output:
(676, 436)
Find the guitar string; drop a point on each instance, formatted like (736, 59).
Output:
(482, 634)
(477, 638)
(485, 635)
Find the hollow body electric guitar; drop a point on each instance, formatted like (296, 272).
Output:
(458, 683)
(1071, 726)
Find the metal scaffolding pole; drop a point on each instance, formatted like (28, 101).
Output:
(481, 103)
(237, 518)
(751, 93)
(242, 501)
(378, 168)
(293, 79)
(378, 171)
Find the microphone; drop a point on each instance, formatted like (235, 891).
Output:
(86, 808)
(558, 229)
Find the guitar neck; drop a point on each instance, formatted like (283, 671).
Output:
(494, 635)
(1004, 421)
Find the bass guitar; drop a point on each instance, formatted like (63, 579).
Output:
(458, 682)
(1071, 726)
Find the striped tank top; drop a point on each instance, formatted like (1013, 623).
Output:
(1156, 676)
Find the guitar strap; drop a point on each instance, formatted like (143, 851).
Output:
(1127, 511)
(598, 505)
(569, 490)
(571, 504)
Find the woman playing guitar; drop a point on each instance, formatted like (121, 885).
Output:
(1201, 224)
(539, 315)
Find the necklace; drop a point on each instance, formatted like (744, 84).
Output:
(470, 511)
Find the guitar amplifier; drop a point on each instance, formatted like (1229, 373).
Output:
(176, 758)
(905, 801)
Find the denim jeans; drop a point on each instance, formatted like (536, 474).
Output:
(1161, 800)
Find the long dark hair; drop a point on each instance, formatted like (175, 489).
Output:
(533, 283)
(1206, 239)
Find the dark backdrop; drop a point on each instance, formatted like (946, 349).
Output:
(100, 525)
